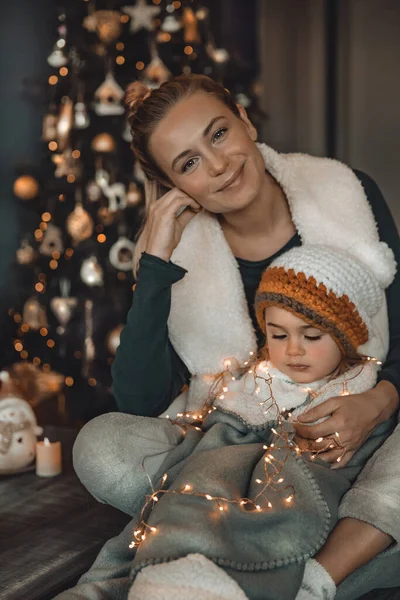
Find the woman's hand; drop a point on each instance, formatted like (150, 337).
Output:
(352, 417)
(166, 222)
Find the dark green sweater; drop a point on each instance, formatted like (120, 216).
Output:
(147, 372)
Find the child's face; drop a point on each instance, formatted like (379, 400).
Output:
(299, 350)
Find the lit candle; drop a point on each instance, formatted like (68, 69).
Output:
(48, 458)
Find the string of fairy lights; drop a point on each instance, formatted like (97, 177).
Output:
(273, 467)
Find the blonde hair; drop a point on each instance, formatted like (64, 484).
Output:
(146, 108)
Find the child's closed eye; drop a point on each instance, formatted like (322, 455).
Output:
(313, 338)
(279, 337)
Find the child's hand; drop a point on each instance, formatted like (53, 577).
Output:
(352, 417)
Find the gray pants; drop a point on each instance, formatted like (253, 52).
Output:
(115, 456)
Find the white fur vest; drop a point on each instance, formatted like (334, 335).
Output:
(209, 320)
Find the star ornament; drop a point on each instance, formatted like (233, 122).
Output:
(141, 15)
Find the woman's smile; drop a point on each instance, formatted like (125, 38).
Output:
(234, 180)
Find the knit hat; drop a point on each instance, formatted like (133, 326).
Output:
(328, 288)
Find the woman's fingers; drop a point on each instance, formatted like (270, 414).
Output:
(322, 444)
(327, 428)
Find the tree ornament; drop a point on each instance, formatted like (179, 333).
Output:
(113, 339)
(34, 314)
(156, 73)
(141, 15)
(49, 128)
(26, 255)
(90, 350)
(108, 26)
(81, 118)
(52, 241)
(171, 24)
(202, 13)
(18, 431)
(57, 58)
(103, 142)
(66, 164)
(65, 122)
(79, 224)
(191, 31)
(91, 272)
(108, 97)
(63, 306)
(26, 187)
(115, 193)
(121, 254)
(243, 99)
(218, 55)
(105, 216)
(134, 195)
(93, 191)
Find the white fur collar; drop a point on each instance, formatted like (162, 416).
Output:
(257, 402)
(209, 320)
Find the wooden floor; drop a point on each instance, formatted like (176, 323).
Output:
(51, 530)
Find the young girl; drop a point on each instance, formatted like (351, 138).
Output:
(230, 497)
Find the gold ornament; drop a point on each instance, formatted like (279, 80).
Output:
(93, 191)
(49, 128)
(63, 309)
(79, 224)
(105, 216)
(108, 25)
(34, 314)
(108, 97)
(26, 254)
(52, 241)
(113, 339)
(121, 254)
(26, 187)
(66, 164)
(191, 32)
(65, 122)
(156, 73)
(103, 142)
(134, 195)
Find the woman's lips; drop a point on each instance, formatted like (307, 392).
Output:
(233, 180)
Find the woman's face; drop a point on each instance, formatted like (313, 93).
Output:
(210, 153)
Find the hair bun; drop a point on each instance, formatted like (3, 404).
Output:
(135, 92)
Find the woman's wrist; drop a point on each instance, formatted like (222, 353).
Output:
(386, 397)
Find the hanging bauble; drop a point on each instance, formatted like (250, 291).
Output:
(26, 187)
(93, 191)
(202, 13)
(103, 142)
(105, 216)
(218, 55)
(156, 73)
(91, 272)
(108, 97)
(191, 33)
(49, 128)
(26, 255)
(52, 241)
(141, 15)
(34, 314)
(57, 58)
(81, 119)
(79, 224)
(108, 26)
(113, 339)
(65, 122)
(90, 22)
(134, 195)
(121, 254)
(171, 24)
(63, 309)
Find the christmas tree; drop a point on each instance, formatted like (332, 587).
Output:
(83, 202)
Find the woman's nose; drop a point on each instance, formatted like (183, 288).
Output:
(218, 163)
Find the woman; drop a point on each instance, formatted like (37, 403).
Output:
(266, 203)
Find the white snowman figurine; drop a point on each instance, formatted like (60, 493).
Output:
(18, 432)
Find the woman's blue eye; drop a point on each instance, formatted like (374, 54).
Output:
(188, 165)
(219, 134)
